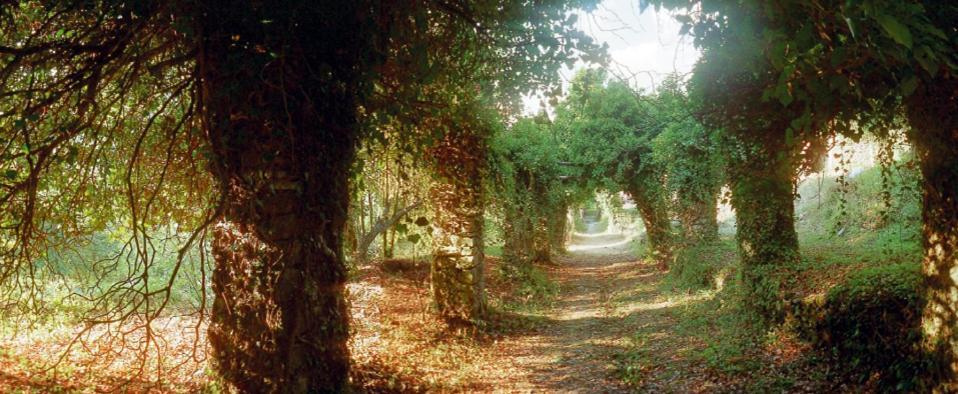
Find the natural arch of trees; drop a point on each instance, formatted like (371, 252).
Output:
(236, 127)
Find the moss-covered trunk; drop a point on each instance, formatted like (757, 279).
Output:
(541, 240)
(559, 228)
(517, 239)
(653, 209)
(458, 258)
(933, 112)
(699, 219)
(282, 139)
(762, 182)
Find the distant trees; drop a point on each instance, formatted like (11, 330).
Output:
(530, 194)
(609, 132)
(648, 145)
(275, 98)
(842, 67)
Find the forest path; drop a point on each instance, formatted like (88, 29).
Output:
(606, 295)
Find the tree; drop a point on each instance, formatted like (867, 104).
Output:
(528, 191)
(690, 158)
(458, 263)
(609, 131)
(282, 94)
(851, 64)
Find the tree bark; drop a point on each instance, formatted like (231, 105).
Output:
(517, 243)
(699, 221)
(458, 258)
(559, 228)
(381, 225)
(762, 183)
(283, 139)
(653, 210)
(933, 113)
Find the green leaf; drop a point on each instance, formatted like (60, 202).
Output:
(851, 26)
(895, 29)
(414, 238)
(10, 174)
(909, 85)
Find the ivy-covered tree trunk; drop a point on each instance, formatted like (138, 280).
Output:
(933, 112)
(699, 220)
(517, 242)
(559, 228)
(654, 212)
(762, 179)
(458, 258)
(541, 240)
(282, 137)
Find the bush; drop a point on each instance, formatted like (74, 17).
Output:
(872, 323)
(700, 266)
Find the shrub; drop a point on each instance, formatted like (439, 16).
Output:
(700, 266)
(872, 323)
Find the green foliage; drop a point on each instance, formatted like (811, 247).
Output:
(534, 288)
(527, 189)
(877, 204)
(701, 266)
(690, 158)
(872, 322)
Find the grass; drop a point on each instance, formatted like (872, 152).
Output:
(859, 228)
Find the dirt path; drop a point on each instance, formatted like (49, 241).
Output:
(606, 295)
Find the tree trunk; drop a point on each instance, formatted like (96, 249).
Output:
(933, 113)
(458, 258)
(700, 221)
(516, 247)
(381, 225)
(542, 240)
(762, 185)
(658, 229)
(283, 140)
(558, 228)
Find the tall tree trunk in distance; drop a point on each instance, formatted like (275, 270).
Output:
(283, 139)
(361, 251)
(699, 220)
(542, 241)
(458, 258)
(558, 227)
(516, 247)
(653, 210)
(933, 113)
(762, 183)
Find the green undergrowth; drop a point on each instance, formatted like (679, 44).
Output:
(534, 289)
(871, 324)
(855, 321)
(701, 266)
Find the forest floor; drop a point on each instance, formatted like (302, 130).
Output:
(596, 320)
(607, 325)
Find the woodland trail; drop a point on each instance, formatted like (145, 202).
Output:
(606, 295)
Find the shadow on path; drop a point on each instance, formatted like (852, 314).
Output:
(606, 294)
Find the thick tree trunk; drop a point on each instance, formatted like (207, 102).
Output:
(542, 241)
(653, 210)
(559, 228)
(458, 258)
(933, 112)
(517, 242)
(283, 139)
(763, 196)
(700, 221)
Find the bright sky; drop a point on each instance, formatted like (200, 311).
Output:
(644, 47)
